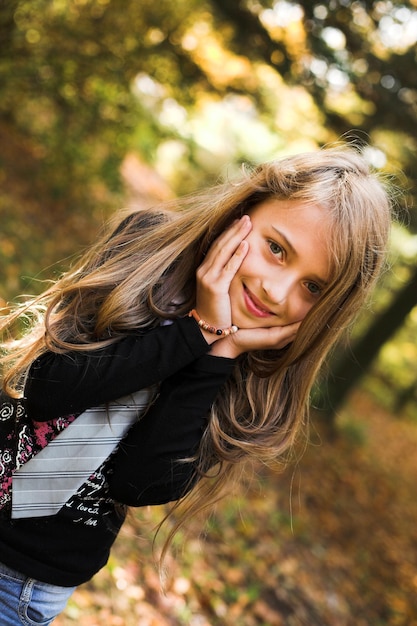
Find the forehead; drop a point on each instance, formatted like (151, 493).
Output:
(291, 212)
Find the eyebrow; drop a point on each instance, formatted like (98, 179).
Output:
(288, 244)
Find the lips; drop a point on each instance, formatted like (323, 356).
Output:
(255, 306)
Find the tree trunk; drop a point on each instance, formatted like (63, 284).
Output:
(354, 364)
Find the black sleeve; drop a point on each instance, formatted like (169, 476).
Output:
(61, 384)
(147, 470)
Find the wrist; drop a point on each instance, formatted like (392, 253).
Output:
(226, 348)
(209, 337)
(212, 333)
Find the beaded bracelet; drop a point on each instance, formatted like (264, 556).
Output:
(212, 329)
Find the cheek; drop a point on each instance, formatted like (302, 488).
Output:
(299, 310)
(252, 264)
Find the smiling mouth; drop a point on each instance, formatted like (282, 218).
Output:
(254, 305)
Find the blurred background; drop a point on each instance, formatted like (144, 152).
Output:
(105, 103)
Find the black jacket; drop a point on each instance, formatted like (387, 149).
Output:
(69, 548)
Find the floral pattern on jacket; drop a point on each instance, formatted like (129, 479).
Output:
(20, 440)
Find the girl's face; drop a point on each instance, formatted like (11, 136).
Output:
(286, 268)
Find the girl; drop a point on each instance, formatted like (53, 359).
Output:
(221, 308)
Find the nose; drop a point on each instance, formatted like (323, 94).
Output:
(277, 291)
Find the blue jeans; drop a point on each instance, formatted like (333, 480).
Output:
(28, 602)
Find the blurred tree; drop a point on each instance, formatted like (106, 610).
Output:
(68, 112)
(68, 67)
(357, 60)
(350, 366)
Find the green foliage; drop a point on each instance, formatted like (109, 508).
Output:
(71, 65)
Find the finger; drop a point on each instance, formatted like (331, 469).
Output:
(216, 279)
(226, 244)
(281, 336)
(220, 266)
(236, 259)
(273, 338)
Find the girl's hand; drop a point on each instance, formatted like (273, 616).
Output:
(248, 339)
(215, 274)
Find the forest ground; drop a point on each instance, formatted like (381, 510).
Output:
(332, 541)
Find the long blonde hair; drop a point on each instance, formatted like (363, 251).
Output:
(143, 271)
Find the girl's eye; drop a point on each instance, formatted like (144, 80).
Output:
(275, 248)
(314, 289)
